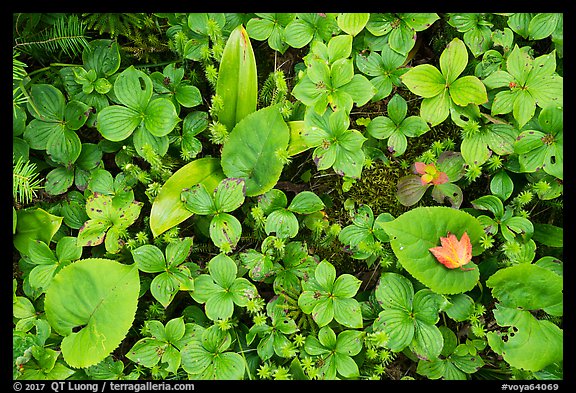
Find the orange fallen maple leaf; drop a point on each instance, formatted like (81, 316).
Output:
(454, 253)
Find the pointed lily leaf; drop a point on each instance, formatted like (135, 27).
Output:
(167, 209)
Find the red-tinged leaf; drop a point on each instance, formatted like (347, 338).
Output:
(430, 174)
(453, 253)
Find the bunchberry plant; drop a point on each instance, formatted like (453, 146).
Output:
(441, 89)
(288, 196)
(225, 229)
(397, 126)
(526, 83)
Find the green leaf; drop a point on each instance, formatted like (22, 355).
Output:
(160, 117)
(117, 123)
(34, 224)
(164, 288)
(167, 209)
(352, 22)
(283, 223)
(543, 25)
(461, 307)
(453, 60)
(237, 83)
(64, 147)
(428, 341)
(413, 233)
(436, 109)
(339, 48)
(502, 185)
(198, 200)
(103, 56)
(133, 88)
(468, 90)
(306, 202)
(548, 234)
(59, 180)
(531, 336)
(360, 90)
(49, 103)
(254, 149)
(225, 230)
(424, 80)
(527, 286)
(402, 39)
(104, 305)
(229, 195)
(149, 258)
(410, 190)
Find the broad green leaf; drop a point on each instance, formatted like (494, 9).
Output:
(420, 21)
(436, 109)
(99, 295)
(225, 231)
(548, 234)
(410, 190)
(502, 185)
(352, 22)
(398, 326)
(142, 137)
(117, 123)
(198, 200)
(133, 88)
(347, 311)
(461, 307)
(523, 108)
(531, 336)
(526, 286)
(341, 73)
(164, 288)
(402, 39)
(381, 127)
(229, 195)
(167, 209)
(103, 56)
(306, 202)
(339, 47)
(413, 233)
(503, 102)
(427, 342)
(49, 103)
(160, 117)
(34, 224)
(59, 180)
(149, 258)
(254, 149)
(468, 90)
(283, 223)
(543, 25)
(424, 80)
(491, 203)
(145, 352)
(64, 147)
(359, 89)
(394, 291)
(453, 61)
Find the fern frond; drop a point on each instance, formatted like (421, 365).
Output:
(25, 180)
(115, 24)
(67, 35)
(18, 71)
